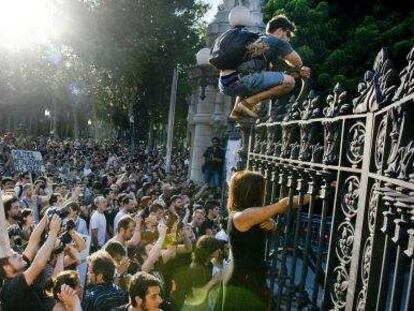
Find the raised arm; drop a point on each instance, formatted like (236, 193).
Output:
(155, 251)
(34, 240)
(136, 238)
(43, 255)
(252, 216)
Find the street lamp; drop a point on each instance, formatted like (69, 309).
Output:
(205, 72)
(240, 16)
(89, 122)
(48, 115)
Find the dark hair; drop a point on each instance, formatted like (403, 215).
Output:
(6, 179)
(280, 21)
(102, 263)
(74, 207)
(215, 138)
(139, 285)
(246, 190)
(115, 248)
(175, 198)
(8, 203)
(205, 247)
(3, 262)
(54, 198)
(155, 207)
(68, 277)
(126, 199)
(210, 205)
(124, 222)
(26, 212)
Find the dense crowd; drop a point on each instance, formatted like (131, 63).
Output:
(105, 227)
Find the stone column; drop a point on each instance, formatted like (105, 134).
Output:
(203, 132)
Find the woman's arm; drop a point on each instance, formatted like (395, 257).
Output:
(252, 216)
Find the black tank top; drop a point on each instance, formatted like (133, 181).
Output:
(248, 249)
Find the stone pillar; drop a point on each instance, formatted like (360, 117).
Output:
(208, 118)
(203, 132)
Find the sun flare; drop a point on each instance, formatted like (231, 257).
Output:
(24, 23)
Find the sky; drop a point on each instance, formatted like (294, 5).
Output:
(210, 14)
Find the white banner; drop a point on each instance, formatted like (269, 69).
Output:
(28, 161)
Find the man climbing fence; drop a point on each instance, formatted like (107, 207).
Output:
(244, 60)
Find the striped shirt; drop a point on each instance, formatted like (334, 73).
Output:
(104, 297)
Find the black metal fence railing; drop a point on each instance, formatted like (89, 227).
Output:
(352, 247)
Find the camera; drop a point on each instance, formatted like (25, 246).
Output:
(62, 212)
(65, 238)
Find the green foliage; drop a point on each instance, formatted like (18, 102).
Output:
(121, 56)
(339, 40)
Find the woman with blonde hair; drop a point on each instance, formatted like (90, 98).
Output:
(245, 286)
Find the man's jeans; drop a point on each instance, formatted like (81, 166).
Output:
(248, 85)
(212, 177)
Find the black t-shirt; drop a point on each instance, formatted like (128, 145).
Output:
(17, 295)
(217, 153)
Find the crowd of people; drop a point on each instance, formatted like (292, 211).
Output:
(153, 240)
(104, 227)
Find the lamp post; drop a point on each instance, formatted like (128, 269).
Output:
(204, 72)
(47, 115)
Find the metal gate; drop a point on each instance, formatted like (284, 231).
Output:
(352, 247)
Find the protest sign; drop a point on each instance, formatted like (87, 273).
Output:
(28, 161)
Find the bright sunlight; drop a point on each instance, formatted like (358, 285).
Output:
(24, 23)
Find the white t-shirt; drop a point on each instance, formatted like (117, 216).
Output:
(98, 221)
(118, 218)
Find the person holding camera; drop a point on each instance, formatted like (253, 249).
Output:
(21, 270)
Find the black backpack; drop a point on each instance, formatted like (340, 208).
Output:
(229, 49)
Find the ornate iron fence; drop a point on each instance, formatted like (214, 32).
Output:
(352, 247)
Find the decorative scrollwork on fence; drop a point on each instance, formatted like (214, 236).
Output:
(367, 253)
(356, 138)
(406, 76)
(298, 143)
(294, 110)
(339, 288)
(271, 140)
(344, 243)
(337, 104)
(397, 118)
(349, 202)
(312, 107)
(286, 139)
(380, 144)
(332, 132)
(378, 86)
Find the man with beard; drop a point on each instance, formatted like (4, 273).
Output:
(128, 232)
(128, 204)
(20, 272)
(11, 208)
(144, 293)
(7, 185)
